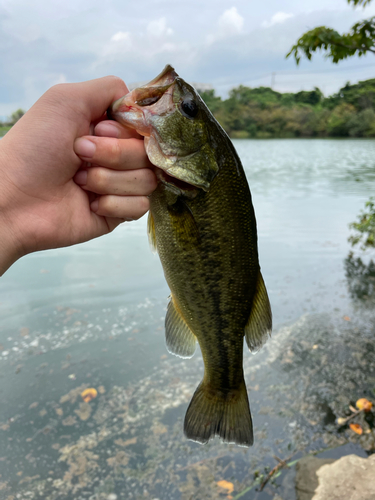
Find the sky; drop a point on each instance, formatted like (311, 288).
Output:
(217, 42)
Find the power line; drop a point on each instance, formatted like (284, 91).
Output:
(298, 72)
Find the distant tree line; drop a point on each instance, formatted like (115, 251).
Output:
(13, 118)
(8, 124)
(263, 113)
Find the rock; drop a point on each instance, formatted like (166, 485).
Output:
(351, 477)
(306, 478)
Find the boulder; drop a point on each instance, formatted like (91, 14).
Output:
(350, 478)
(306, 478)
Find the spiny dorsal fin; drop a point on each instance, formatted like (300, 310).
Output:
(179, 338)
(151, 232)
(259, 325)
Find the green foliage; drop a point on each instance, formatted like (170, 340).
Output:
(263, 113)
(309, 97)
(360, 95)
(212, 101)
(16, 116)
(359, 40)
(359, 2)
(4, 129)
(365, 227)
(337, 123)
(11, 121)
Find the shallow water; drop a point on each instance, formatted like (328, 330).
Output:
(92, 316)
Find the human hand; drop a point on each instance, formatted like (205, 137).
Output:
(41, 205)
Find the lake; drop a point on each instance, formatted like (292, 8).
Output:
(92, 316)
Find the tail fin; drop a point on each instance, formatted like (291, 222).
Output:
(212, 415)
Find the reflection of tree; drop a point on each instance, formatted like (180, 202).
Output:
(365, 227)
(361, 277)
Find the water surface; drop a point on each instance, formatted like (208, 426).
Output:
(92, 316)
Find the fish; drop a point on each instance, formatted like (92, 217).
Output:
(202, 224)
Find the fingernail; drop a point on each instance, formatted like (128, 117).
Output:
(94, 205)
(107, 129)
(81, 177)
(84, 148)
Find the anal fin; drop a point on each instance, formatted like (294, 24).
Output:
(180, 340)
(259, 325)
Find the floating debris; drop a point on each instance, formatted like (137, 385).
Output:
(89, 394)
(356, 428)
(226, 485)
(364, 404)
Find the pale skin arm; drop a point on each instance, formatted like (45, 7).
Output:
(50, 196)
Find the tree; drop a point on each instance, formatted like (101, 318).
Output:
(343, 121)
(359, 40)
(16, 116)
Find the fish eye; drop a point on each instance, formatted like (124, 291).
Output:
(189, 108)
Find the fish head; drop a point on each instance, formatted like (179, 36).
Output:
(173, 118)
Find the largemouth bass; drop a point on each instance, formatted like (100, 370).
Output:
(202, 224)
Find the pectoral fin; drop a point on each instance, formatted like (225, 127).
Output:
(179, 338)
(151, 232)
(259, 326)
(184, 225)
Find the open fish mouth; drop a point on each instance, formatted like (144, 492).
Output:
(128, 109)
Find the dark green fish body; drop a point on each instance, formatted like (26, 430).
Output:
(203, 226)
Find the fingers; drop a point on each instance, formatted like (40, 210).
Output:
(110, 128)
(101, 180)
(122, 207)
(117, 154)
(121, 173)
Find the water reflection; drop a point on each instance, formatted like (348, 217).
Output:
(360, 277)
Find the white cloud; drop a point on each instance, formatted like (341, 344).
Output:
(60, 79)
(158, 28)
(169, 47)
(231, 22)
(120, 43)
(278, 18)
(120, 36)
(42, 45)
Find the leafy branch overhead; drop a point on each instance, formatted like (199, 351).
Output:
(359, 2)
(359, 40)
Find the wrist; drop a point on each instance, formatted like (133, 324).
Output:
(9, 251)
(11, 248)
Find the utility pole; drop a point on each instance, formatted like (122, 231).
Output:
(273, 80)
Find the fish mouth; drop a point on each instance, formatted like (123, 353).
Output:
(167, 76)
(129, 109)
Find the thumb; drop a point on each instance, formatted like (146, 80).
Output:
(97, 95)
